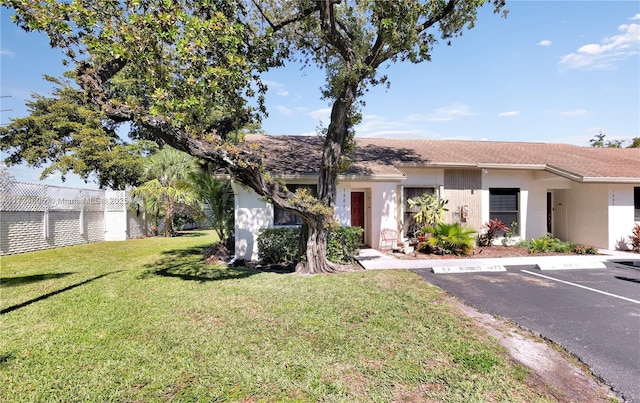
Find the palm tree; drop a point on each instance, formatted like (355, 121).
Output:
(167, 190)
(217, 201)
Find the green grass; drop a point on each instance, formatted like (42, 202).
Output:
(145, 320)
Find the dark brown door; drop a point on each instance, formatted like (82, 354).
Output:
(549, 212)
(357, 210)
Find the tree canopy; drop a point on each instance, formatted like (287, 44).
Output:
(599, 141)
(188, 72)
(67, 133)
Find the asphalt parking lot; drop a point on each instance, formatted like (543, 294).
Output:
(592, 313)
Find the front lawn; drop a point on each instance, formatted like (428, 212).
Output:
(145, 320)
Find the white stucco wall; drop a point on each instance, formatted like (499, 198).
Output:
(343, 205)
(621, 215)
(380, 203)
(600, 215)
(384, 210)
(587, 214)
(251, 214)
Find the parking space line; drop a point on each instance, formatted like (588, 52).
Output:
(581, 286)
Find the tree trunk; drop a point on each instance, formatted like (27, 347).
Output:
(316, 251)
(315, 230)
(168, 221)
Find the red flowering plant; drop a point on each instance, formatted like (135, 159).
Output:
(493, 226)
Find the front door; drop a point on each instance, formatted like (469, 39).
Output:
(549, 213)
(357, 211)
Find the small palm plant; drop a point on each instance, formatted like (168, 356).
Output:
(451, 239)
(216, 199)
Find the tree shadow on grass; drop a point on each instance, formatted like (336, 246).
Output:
(51, 294)
(189, 265)
(6, 282)
(190, 234)
(185, 253)
(203, 272)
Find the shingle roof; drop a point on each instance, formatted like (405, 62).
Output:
(300, 155)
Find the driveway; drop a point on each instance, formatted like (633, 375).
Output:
(592, 313)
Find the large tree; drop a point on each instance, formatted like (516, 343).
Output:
(184, 70)
(351, 40)
(66, 133)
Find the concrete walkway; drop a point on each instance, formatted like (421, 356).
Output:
(372, 259)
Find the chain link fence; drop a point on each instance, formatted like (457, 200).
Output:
(35, 216)
(20, 196)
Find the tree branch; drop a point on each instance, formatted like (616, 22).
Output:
(295, 18)
(372, 59)
(435, 18)
(329, 30)
(244, 165)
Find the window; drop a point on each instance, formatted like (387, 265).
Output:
(282, 217)
(410, 224)
(504, 205)
(636, 203)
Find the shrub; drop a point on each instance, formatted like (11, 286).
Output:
(493, 226)
(277, 245)
(580, 249)
(635, 238)
(343, 244)
(547, 243)
(451, 239)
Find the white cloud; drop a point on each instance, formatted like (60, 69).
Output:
(446, 113)
(605, 55)
(284, 110)
(636, 17)
(509, 113)
(545, 42)
(278, 87)
(321, 114)
(8, 53)
(373, 126)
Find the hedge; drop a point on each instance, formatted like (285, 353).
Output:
(277, 245)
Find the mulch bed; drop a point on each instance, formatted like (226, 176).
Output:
(491, 252)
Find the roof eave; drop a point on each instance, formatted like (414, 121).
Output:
(609, 179)
(312, 178)
(591, 179)
(478, 165)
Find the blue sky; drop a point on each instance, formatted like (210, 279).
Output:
(553, 71)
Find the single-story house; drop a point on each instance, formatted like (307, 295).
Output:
(582, 194)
